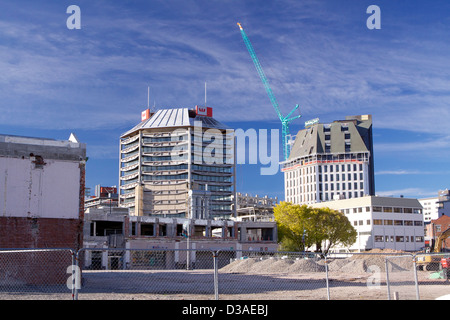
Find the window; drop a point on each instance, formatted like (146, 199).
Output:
(418, 223)
(398, 210)
(377, 222)
(376, 209)
(388, 222)
(387, 209)
(379, 239)
(407, 210)
(347, 147)
(399, 239)
(398, 222)
(147, 229)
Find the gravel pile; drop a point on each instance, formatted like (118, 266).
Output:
(239, 265)
(306, 265)
(377, 257)
(356, 264)
(272, 265)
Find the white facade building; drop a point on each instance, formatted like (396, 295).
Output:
(330, 162)
(436, 207)
(382, 222)
(430, 208)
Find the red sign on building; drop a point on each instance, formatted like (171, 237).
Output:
(203, 111)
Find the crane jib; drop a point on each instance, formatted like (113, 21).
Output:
(284, 120)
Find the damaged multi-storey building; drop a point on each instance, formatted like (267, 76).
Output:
(41, 204)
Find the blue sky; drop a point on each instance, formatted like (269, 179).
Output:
(318, 54)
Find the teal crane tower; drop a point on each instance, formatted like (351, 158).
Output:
(285, 120)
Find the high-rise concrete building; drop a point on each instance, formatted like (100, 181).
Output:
(178, 163)
(331, 161)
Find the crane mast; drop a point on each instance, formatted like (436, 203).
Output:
(285, 120)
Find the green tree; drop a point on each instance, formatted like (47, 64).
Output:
(301, 227)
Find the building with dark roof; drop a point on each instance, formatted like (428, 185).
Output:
(331, 161)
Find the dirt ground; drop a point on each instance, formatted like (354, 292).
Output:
(199, 285)
(360, 277)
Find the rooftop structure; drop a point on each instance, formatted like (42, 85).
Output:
(104, 196)
(255, 208)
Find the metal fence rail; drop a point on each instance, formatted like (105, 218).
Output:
(100, 273)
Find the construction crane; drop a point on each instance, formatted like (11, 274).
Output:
(285, 120)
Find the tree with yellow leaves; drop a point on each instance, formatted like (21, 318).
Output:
(301, 227)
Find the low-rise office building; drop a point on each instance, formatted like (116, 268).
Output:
(382, 222)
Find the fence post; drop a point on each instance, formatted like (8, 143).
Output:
(77, 274)
(387, 278)
(216, 275)
(415, 278)
(326, 277)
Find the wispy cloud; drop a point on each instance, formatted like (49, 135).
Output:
(408, 192)
(408, 172)
(312, 57)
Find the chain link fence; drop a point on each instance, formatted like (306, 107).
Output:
(100, 274)
(433, 274)
(36, 273)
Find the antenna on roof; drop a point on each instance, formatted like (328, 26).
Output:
(148, 97)
(205, 93)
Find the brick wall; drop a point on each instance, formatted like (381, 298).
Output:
(40, 267)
